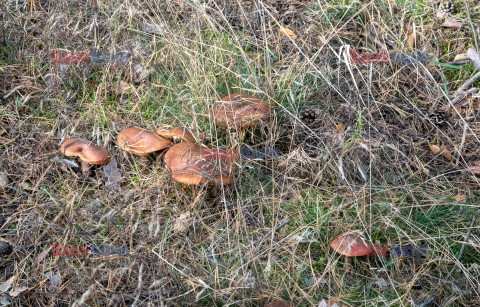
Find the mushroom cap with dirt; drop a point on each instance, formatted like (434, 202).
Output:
(191, 163)
(239, 111)
(351, 244)
(182, 134)
(141, 142)
(87, 151)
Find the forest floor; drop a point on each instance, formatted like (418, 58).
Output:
(378, 147)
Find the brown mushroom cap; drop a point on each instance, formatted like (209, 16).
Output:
(141, 142)
(182, 134)
(87, 151)
(279, 303)
(351, 245)
(238, 111)
(191, 163)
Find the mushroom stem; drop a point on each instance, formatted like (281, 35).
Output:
(85, 167)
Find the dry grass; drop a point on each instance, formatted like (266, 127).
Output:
(214, 246)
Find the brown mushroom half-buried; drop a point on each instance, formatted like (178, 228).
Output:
(87, 151)
(141, 142)
(191, 163)
(238, 111)
(352, 245)
(182, 134)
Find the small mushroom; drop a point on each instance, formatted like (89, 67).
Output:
(352, 245)
(239, 111)
(182, 134)
(191, 163)
(87, 151)
(141, 142)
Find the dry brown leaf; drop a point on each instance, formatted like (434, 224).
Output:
(288, 33)
(182, 222)
(460, 197)
(451, 22)
(435, 149)
(340, 128)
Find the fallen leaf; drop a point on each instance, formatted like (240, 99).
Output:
(340, 128)
(474, 56)
(435, 149)
(17, 291)
(288, 33)
(460, 197)
(451, 22)
(113, 174)
(182, 222)
(461, 57)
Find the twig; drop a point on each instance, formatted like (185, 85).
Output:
(461, 96)
(273, 230)
(41, 178)
(468, 83)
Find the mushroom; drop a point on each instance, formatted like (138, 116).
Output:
(141, 142)
(87, 151)
(182, 134)
(239, 111)
(351, 245)
(191, 163)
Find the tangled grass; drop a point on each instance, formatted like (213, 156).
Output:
(363, 164)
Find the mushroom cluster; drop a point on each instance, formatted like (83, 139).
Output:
(186, 160)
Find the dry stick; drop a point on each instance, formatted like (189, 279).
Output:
(469, 82)
(463, 95)
(40, 180)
